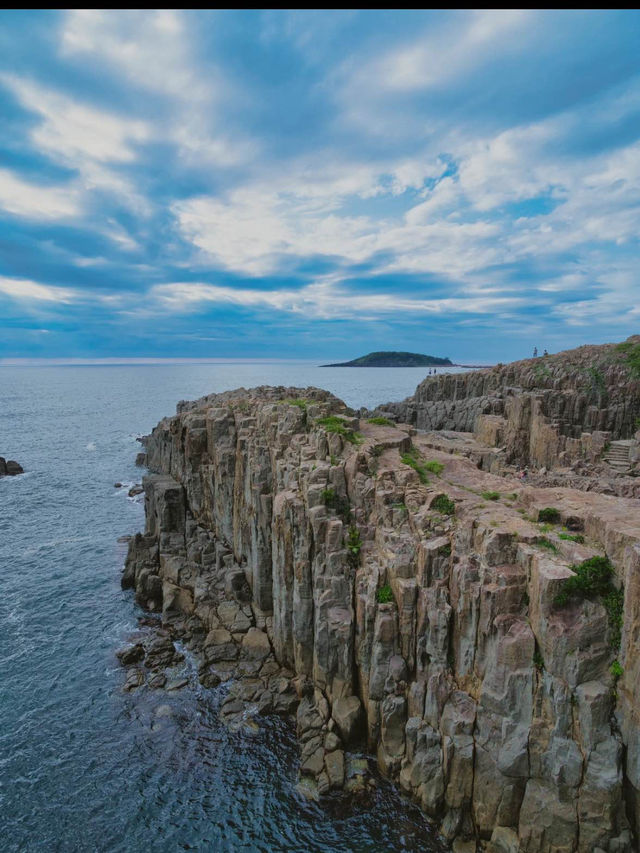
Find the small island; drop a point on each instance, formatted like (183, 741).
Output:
(394, 359)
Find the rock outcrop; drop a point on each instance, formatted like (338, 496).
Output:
(395, 592)
(10, 468)
(549, 411)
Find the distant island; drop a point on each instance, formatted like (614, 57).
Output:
(394, 359)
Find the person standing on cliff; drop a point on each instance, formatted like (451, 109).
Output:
(535, 352)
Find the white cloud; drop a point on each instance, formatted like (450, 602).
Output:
(23, 289)
(73, 133)
(448, 52)
(325, 299)
(94, 143)
(151, 48)
(155, 51)
(264, 226)
(36, 201)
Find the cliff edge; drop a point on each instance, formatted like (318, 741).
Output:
(553, 411)
(347, 570)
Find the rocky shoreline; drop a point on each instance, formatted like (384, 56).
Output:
(390, 585)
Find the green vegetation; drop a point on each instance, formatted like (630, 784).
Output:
(385, 595)
(337, 503)
(538, 660)
(572, 537)
(413, 459)
(616, 670)
(381, 422)
(543, 542)
(542, 371)
(393, 359)
(445, 550)
(300, 402)
(593, 579)
(434, 467)
(354, 546)
(399, 505)
(549, 514)
(491, 496)
(614, 605)
(631, 351)
(337, 425)
(444, 505)
(597, 379)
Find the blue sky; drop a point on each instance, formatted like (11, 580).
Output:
(305, 184)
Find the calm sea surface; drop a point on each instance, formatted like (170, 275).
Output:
(83, 766)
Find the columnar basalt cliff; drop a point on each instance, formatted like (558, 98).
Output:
(547, 411)
(409, 598)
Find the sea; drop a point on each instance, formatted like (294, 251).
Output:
(85, 766)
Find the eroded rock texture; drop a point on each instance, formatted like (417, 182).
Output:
(428, 626)
(546, 411)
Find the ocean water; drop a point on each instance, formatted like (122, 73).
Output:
(84, 766)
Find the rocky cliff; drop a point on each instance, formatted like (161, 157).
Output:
(548, 411)
(388, 590)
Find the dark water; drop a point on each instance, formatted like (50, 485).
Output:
(84, 766)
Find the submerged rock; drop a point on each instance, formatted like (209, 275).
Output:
(10, 468)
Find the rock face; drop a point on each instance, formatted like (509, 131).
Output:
(545, 411)
(408, 603)
(9, 468)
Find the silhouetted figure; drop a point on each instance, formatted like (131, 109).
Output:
(535, 352)
(545, 353)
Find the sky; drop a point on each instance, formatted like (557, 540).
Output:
(282, 184)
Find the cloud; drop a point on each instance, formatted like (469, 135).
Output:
(425, 170)
(37, 201)
(155, 51)
(22, 289)
(448, 51)
(324, 299)
(151, 48)
(73, 133)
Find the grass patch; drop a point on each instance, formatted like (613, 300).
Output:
(354, 546)
(543, 542)
(384, 594)
(300, 402)
(334, 501)
(444, 505)
(572, 537)
(616, 669)
(593, 579)
(381, 422)
(491, 496)
(413, 459)
(538, 660)
(434, 467)
(549, 514)
(631, 352)
(336, 424)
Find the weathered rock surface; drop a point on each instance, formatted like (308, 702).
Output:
(549, 411)
(312, 569)
(10, 468)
